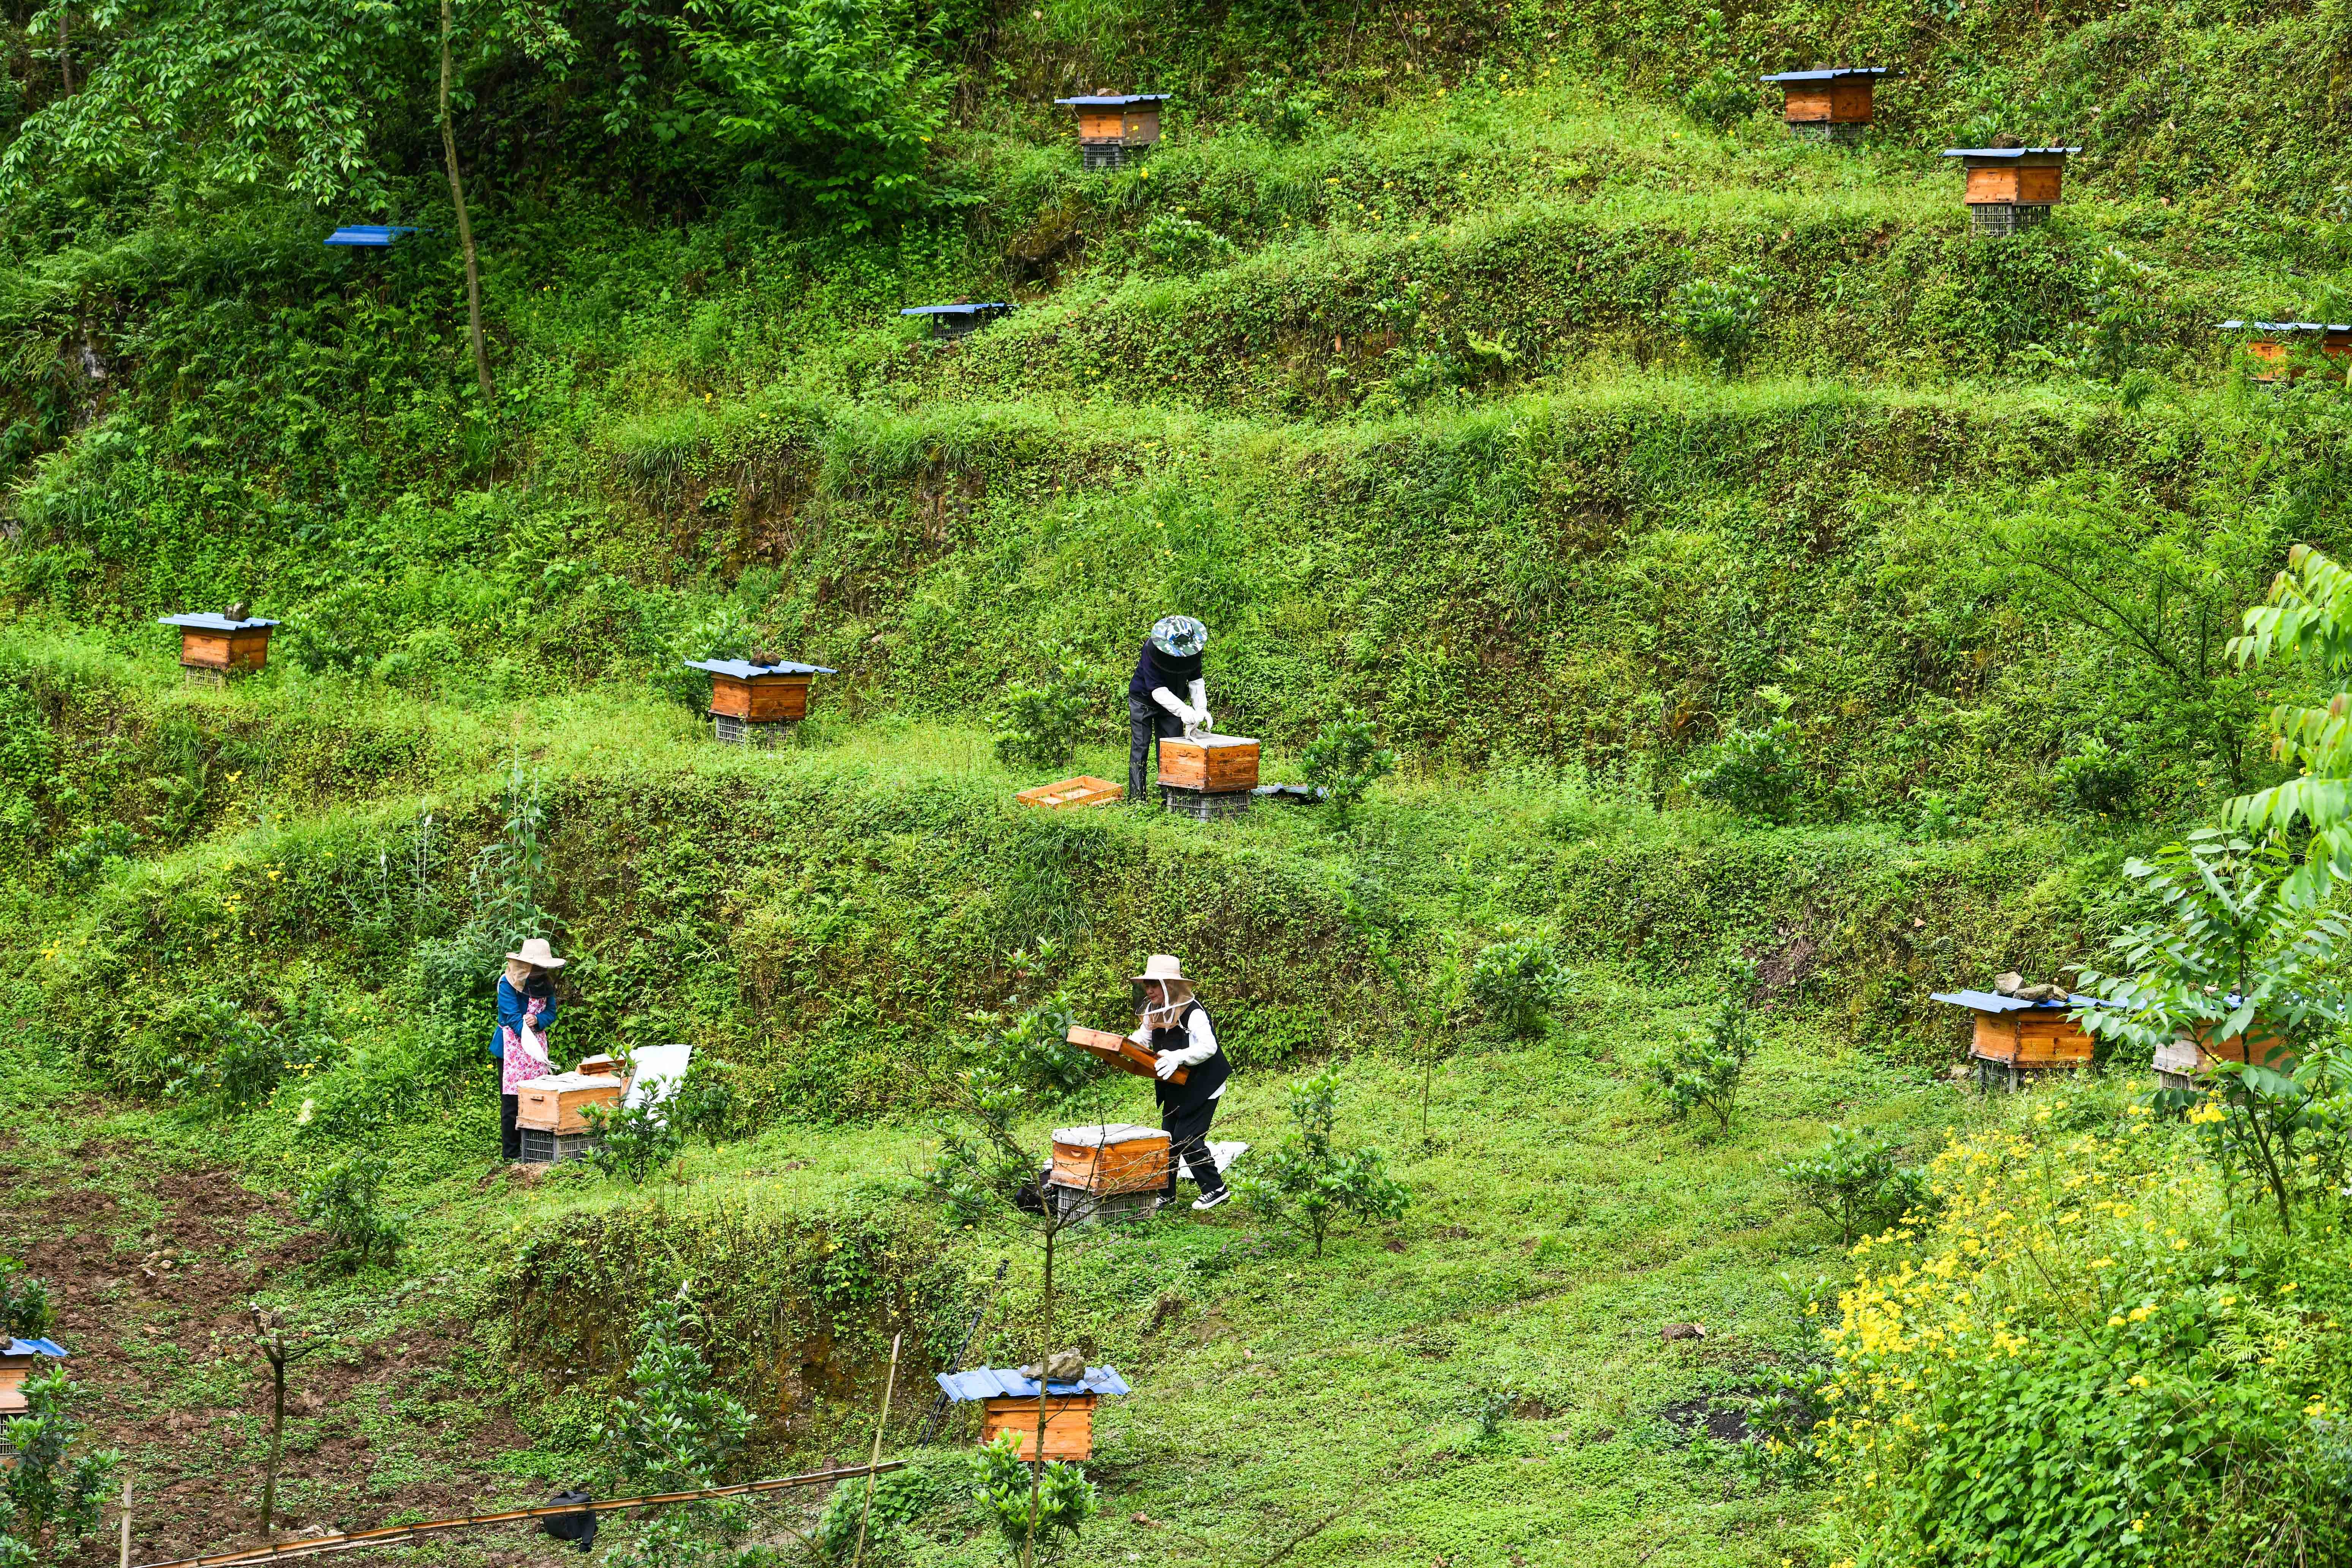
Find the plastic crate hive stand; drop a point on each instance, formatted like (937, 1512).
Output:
(1008, 1402)
(958, 320)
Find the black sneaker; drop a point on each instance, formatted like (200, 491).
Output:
(1213, 1200)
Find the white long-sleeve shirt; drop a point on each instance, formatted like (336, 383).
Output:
(1201, 1042)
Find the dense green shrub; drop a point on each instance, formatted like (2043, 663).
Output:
(1756, 773)
(1520, 982)
(1037, 1510)
(50, 1494)
(345, 1200)
(1720, 317)
(1039, 724)
(1854, 1181)
(1344, 761)
(25, 1309)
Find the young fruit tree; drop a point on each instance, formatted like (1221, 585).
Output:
(1705, 1070)
(49, 1496)
(1309, 1185)
(677, 1432)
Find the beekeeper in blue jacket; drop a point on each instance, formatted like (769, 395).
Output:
(1166, 698)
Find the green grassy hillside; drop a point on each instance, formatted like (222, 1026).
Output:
(1773, 592)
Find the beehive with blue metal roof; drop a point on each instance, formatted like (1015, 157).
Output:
(751, 699)
(18, 1361)
(222, 645)
(956, 321)
(1009, 1404)
(2011, 186)
(369, 235)
(1115, 127)
(1836, 102)
(2022, 1029)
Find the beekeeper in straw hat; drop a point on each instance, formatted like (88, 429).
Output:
(1166, 697)
(518, 1043)
(1175, 1026)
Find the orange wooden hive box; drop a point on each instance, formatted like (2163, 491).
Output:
(2185, 1061)
(1115, 1157)
(1008, 1403)
(774, 693)
(19, 1360)
(217, 643)
(1115, 127)
(2273, 343)
(1830, 96)
(559, 1103)
(1213, 764)
(2021, 1036)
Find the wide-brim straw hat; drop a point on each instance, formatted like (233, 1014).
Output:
(537, 955)
(1161, 966)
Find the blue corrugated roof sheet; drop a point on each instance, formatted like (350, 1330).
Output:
(373, 235)
(744, 669)
(1115, 100)
(209, 622)
(1827, 73)
(2285, 326)
(34, 1347)
(1994, 1002)
(989, 1382)
(2003, 151)
(954, 310)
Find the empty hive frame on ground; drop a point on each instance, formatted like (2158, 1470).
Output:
(1068, 795)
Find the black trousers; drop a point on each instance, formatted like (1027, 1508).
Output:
(1148, 723)
(1188, 1143)
(510, 1141)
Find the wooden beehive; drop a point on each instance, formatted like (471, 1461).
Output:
(1066, 795)
(1115, 1158)
(559, 1103)
(759, 693)
(2039, 1038)
(1834, 95)
(2191, 1056)
(217, 643)
(1069, 1424)
(1125, 120)
(19, 1360)
(1213, 764)
(2013, 176)
(2274, 344)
